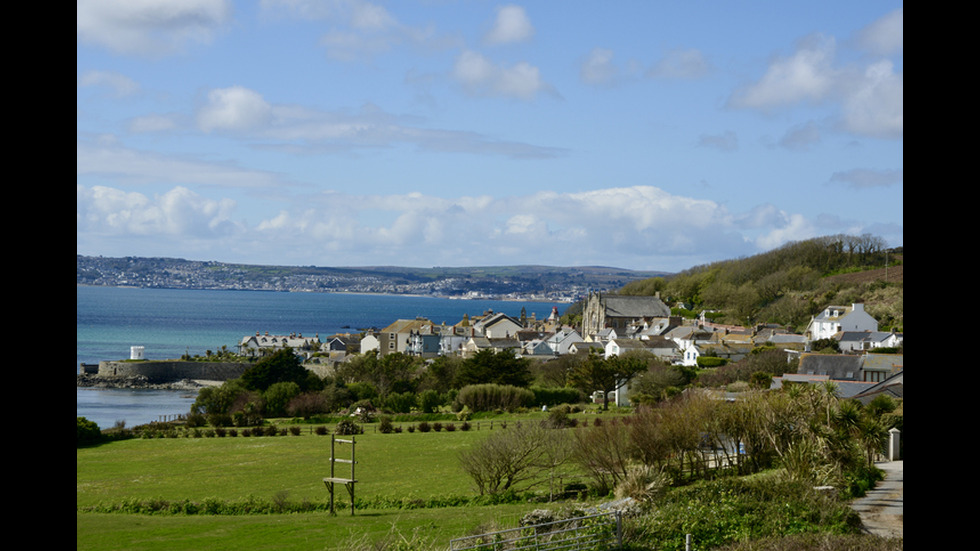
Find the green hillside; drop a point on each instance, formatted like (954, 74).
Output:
(789, 284)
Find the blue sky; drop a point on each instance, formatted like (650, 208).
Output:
(636, 134)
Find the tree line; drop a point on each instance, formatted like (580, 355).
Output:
(278, 385)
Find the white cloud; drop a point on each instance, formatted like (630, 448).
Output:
(598, 67)
(885, 36)
(234, 108)
(794, 227)
(875, 103)
(149, 27)
(680, 64)
(628, 226)
(178, 212)
(511, 25)
(300, 129)
(108, 160)
(863, 178)
(121, 85)
(806, 76)
(869, 100)
(479, 76)
(360, 30)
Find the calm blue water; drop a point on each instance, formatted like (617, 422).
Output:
(172, 322)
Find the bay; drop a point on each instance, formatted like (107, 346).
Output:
(171, 322)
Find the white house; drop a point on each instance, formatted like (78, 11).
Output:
(563, 339)
(370, 343)
(852, 341)
(498, 326)
(834, 319)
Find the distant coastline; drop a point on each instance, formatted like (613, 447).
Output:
(505, 283)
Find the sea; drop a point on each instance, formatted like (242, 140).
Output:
(169, 323)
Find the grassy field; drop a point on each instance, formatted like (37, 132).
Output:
(401, 465)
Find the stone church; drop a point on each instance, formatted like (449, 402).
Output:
(618, 312)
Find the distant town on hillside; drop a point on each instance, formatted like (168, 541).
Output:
(564, 284)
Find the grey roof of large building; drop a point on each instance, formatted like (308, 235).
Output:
(636, 307)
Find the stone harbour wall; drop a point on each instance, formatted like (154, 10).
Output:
(168, 371)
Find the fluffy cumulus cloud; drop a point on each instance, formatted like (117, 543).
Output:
(806, 76)
(176, 213)
(886, 35)
(481, 77)
(639, 226)
(875, 103)
(150, 27)
(867, 96)
(234, 108)
(512, 25)
(598, 67)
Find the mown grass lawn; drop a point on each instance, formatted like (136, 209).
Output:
(430, 528)
(399, 465)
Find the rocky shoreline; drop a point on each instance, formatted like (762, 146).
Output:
(139, 382)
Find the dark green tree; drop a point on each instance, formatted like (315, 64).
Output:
(489, 366)
(278, 396)
(282, 366)
(605, 374)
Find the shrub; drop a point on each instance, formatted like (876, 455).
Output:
(385, 426)
(321, 430)
(88, 432)
(450, 427)
(430, 400)
(437, 426)
(711, 361)
(424, 426)
(307, 405)
(278, 396)
(348, 427)
(294, 430)
(558, 418)
(489, 397)
(465, 426)
(219, 420)
(400, 402)
(552, 396)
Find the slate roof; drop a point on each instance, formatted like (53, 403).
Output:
(634, 307)
(892, 386)
(839, 367)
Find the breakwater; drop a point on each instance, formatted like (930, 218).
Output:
(170, 371)
(167, 374)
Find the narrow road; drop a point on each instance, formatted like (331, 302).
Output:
(882, 509)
